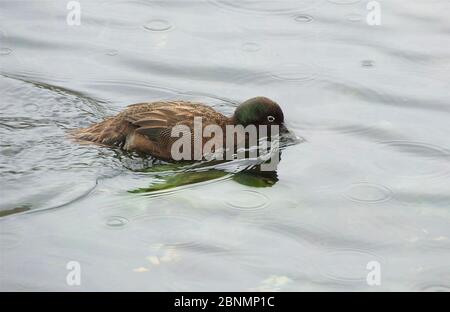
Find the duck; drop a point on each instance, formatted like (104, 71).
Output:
(146, 128)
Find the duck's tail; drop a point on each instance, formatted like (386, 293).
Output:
(106, 132)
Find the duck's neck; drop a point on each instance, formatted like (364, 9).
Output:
(232, 120)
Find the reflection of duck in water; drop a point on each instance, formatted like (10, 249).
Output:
(254, 177)
(146, 127)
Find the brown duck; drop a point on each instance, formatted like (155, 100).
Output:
(146, 127)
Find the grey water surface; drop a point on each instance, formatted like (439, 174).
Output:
(368, 189)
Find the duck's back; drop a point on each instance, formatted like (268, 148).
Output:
(146, 127)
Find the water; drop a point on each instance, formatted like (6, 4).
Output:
(370, 183)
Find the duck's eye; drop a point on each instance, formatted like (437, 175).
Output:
(270, 118)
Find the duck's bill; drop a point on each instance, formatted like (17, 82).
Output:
(284, 130)
(288, 136)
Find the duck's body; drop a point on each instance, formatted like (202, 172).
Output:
(146, 127)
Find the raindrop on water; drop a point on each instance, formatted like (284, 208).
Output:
(304, 18)
(112, 52)
(267, 7)
(247, 200)
(5, 51)
(344, 2)
(409, 159)
(157, 25)
(31, 108)
(346, 265)
(292, 71)
(367, 63)
(434, 280)
(368, 193)
(116, 221)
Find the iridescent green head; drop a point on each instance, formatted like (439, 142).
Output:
(258, 111)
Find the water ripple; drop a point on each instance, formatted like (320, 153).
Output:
(344, 2)
(116, 222)
(346, 265)
(414, 159)
(295, 73)
(367, 63)
(247, 200)
(5, 51)
(267, 7)
(368, 193)
(112, 52)
(157, 25)
(303, 18)
(433, 280)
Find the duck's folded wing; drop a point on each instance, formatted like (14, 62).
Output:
(157, 125)
(154, 121)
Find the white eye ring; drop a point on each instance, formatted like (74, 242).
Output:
(270, 118)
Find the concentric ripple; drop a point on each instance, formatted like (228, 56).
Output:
(112, 52)
(247, 200)
(413, 159)
(303, 18)
(157, 25)
(267, 7)
(293, 73)
(368, 193)
(346, 265)
(5, 51)
(116, 222)
(367, 63)
(344, 2)
(436, 288)
(296, 71)
(434, 280)
(31, 108)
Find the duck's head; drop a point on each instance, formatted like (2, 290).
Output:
(259, 111)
